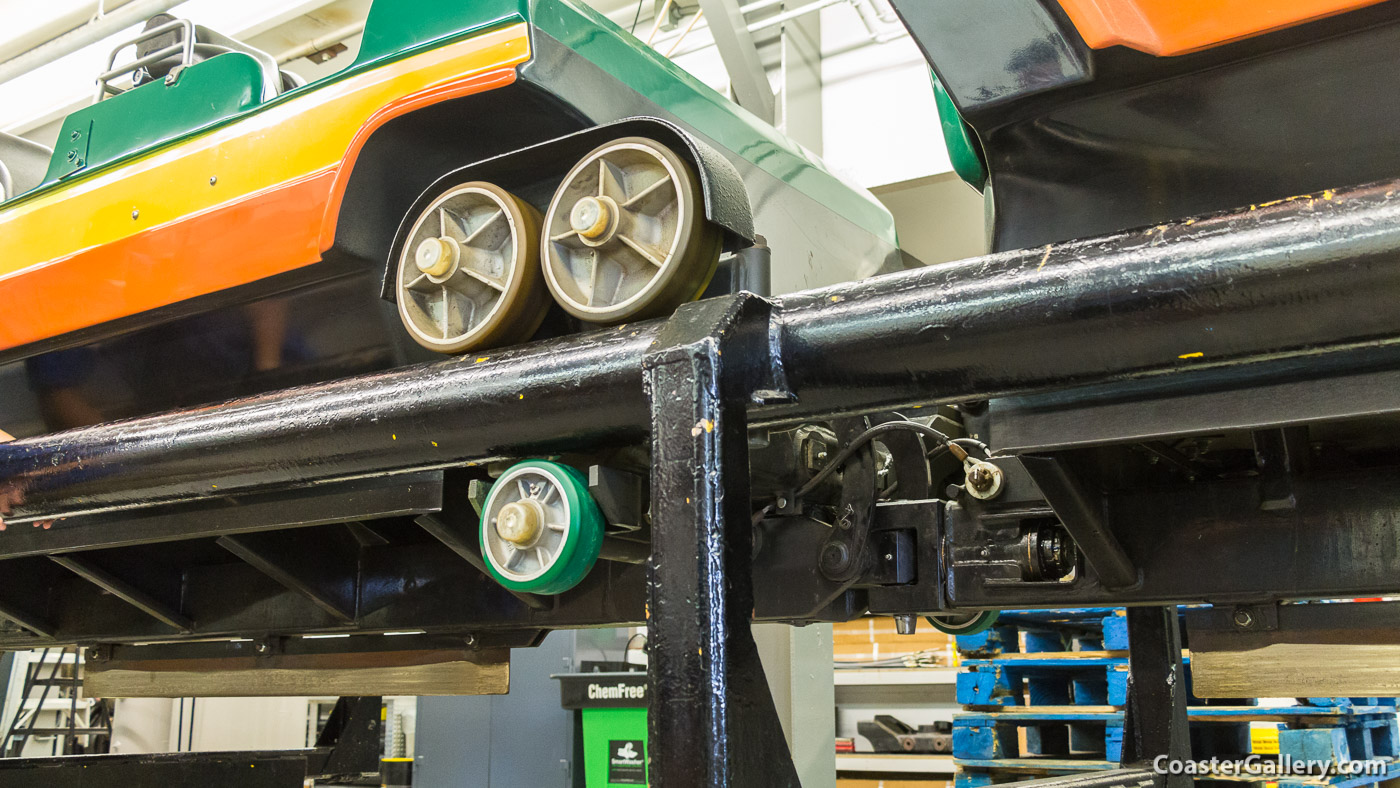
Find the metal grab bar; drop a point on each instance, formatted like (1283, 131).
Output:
(185, 49)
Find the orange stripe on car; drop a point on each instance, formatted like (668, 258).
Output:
(157, 230)
(1176, 27)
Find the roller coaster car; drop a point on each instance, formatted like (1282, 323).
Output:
(476, 163)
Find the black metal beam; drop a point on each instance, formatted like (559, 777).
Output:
(317, 564)
(125, 591)
(1295, 279)
(711, 717)
(464, 546)
(221, 515)
(1154, 721)
(1210, 541)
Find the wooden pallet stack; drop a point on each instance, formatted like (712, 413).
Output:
(1044, 693)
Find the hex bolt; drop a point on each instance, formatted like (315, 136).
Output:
(782, 502)
(93, 654)
(470, 641)
(213, 180)
(906, 624)
(1243, 618)
(135, 214)
(263, 647)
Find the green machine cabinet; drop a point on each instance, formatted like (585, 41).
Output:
(612, 729)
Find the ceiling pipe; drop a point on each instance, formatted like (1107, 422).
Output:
(113, 22)
(321, 43)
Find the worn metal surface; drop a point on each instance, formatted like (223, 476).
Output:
(1312, 650)
(1291, 280)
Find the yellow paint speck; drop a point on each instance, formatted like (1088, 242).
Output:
(687, 500)
(483, 358)
(393, 437)
(1327, 194)
(704, 425)
(522, 396)
(434, 444)
(1197, 354)
(835, 299)
(1045, 257)
(1190, 222)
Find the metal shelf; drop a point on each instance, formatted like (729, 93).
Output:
(877, 677)
(894, 763)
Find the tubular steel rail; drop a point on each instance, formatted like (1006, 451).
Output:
(1297, 279)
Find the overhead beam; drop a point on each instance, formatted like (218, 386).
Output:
(737, 49)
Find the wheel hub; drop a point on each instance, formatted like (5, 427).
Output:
(520, 521)
(437, 257)
(593, 218)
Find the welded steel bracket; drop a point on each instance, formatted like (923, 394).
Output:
(1154, 721)
(712, 720)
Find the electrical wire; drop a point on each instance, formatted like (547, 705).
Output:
(866, 437)
(637, 16)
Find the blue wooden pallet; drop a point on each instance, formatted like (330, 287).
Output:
(1050, 679)
(1338, 733)
(1094, 629)
(977, 774)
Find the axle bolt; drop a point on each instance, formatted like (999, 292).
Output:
(983, 480)
(1243, 618)
(520, 521)
(590, 217)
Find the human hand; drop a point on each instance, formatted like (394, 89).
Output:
(5, 437)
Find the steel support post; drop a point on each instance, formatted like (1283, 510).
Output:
(1154, 722)
(712, 720)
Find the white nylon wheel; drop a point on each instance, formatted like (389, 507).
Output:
(626, 235)
(468, 273)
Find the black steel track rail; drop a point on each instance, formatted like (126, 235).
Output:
(1305, 276)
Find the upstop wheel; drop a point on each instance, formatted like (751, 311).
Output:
(468, 274)
(964, 623)
(541, 531)
(626, 235)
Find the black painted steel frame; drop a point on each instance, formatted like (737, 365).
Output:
(1300, 280)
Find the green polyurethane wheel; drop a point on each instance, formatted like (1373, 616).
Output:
(964, 623)
(541, 531)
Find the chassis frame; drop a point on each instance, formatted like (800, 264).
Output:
(1290, 306)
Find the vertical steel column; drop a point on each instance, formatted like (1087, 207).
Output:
(1154, 722)
(712, 721)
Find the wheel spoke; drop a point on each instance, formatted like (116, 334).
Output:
(490, 221)
(420, 284)
(593, 278)
(648, 254)
(557, 527)
(550, 494)
(513, 555)
(491, 282)
(541, 556)
(450, 225)
(648, 191)
(610, 183)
